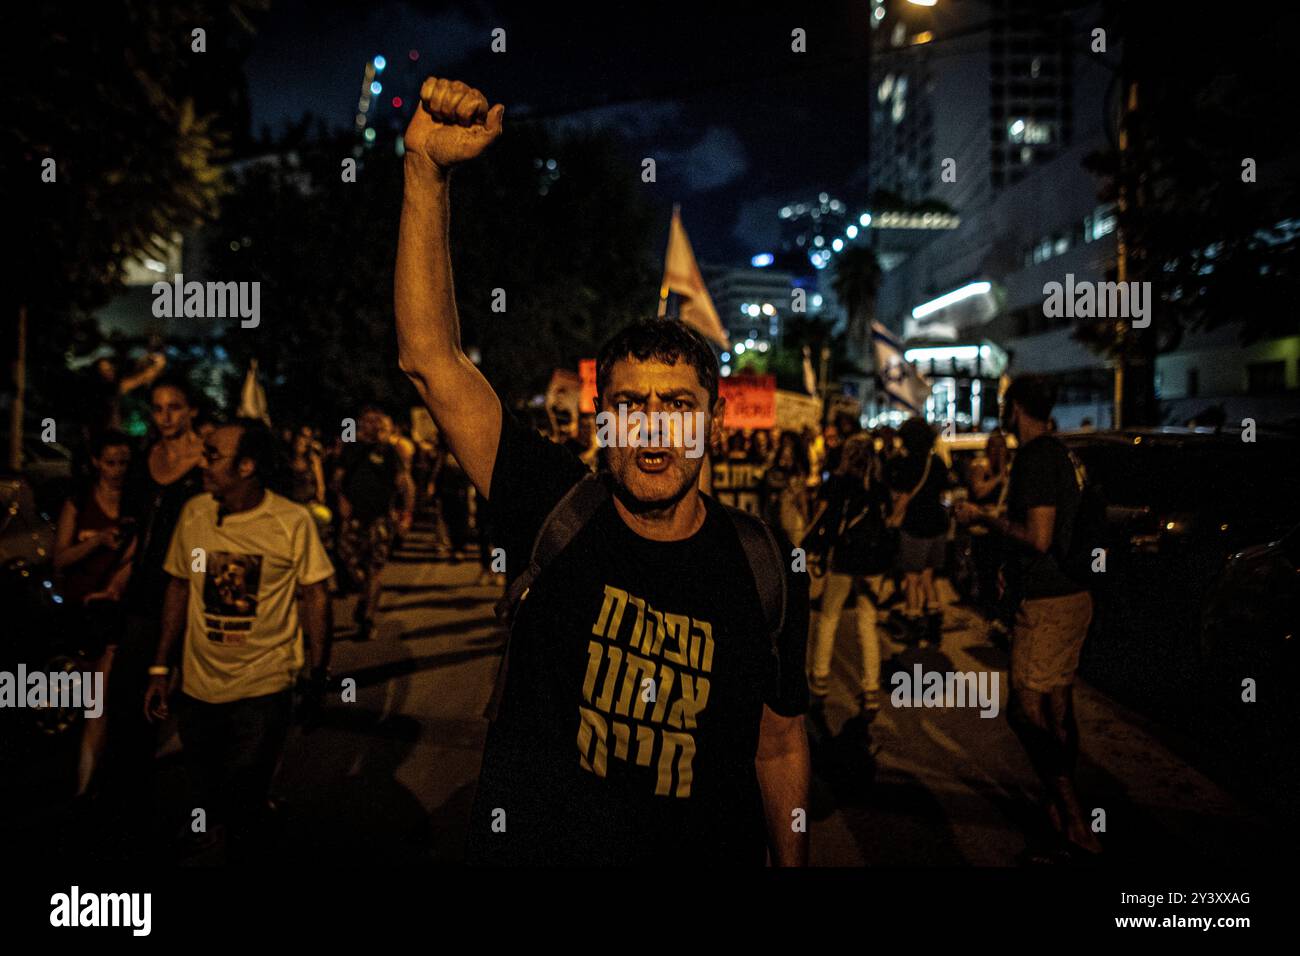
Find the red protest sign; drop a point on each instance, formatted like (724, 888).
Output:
(751, 401)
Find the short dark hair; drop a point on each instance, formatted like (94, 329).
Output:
(258, 444)
(662, 340)
(916, 435)
(1036, 394)
(109, 438)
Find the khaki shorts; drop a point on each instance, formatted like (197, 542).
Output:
(1047, 641)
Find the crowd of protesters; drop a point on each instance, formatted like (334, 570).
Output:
(197, 566)
(289, 519)
(872, 509)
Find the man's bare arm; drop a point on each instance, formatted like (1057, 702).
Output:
(452, 124)
(784, 769)
(176, 602)
(314, 613)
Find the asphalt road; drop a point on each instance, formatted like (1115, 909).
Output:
(393, 774)
(390, 777)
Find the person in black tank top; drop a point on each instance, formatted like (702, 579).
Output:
(167, 475)
(91, 557)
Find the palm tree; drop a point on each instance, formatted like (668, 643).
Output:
(856, 281)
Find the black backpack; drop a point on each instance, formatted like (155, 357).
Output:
(1087, 533)
(571, 514)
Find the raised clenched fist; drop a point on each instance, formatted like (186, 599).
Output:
(452, 124)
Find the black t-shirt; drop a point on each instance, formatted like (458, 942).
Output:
(1041, 475)
(369, 478)
(638, 673)
(155, 509)
(926, 516)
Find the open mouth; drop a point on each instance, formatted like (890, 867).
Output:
(653, 460)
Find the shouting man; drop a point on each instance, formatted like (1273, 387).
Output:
(650, 713)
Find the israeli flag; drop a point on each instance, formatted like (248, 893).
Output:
(898, 378)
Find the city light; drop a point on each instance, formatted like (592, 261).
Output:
(837, 245)
(916, 220)
(376, 88)
(762, 259)
(851, 232)
(942, 353)
(951, 298)
(380, 63)
(769, 308)
(370, 136)
(864, 220)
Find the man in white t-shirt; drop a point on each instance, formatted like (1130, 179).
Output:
(248, 581)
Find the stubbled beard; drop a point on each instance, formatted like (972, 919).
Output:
(639, 506)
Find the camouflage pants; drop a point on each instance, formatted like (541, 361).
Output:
(364, 546)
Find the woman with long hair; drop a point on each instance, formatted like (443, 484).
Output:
(849, 536)
(169, 473)
(92, 552)
(918, 482)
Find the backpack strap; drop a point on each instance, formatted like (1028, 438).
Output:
(767, 565)
(570, 514)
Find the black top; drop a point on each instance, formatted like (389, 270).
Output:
(370, 472)
(638, 673)
(926, 516)
(156, 508)
(1043, 474)
(847, 499)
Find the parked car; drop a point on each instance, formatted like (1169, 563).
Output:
(36, 631)
(1251, 623)
(1188, 511)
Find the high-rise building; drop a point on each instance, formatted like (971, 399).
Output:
(968, 95)
(753, 303)
(1031, 88)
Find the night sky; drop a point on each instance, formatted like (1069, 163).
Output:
(738, 124)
